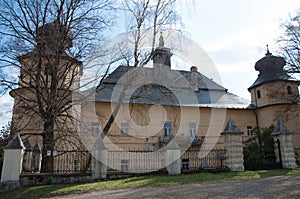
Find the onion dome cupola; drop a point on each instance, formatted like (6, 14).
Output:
(162, 55)
(270, 69)
(54, 37)
(272, 81)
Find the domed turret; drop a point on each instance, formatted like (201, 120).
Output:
(270, 69)
(54, 36)
(270, 63)
(273, 85)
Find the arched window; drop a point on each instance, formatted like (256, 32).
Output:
(289, 90)
(258, 94)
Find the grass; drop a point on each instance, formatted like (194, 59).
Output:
(34, 192)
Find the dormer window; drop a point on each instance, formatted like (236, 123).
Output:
(289, 90)
(258, 94)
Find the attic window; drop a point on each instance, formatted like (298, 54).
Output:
(258, 94)
(289, 90)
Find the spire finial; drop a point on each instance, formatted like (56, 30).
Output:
(268, 52)
(161, 40)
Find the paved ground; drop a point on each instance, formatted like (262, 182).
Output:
(274, 187)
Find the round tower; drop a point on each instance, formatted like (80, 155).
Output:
(275, 95)
(49, 75)
(273, 85)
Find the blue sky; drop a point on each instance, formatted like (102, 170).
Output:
(234, 34)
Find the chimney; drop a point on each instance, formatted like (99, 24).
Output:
(193, 69)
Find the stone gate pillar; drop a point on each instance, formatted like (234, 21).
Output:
(173, 159)
(284, 149)
(13, 159)
(233, 146)
(99, 160)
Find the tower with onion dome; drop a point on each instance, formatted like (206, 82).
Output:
(275, 95)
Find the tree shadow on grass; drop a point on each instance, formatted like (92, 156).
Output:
(33, 192)
(154, 180)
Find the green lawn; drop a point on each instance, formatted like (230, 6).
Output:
(33, 192)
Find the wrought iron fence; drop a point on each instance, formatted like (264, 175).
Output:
(135, 161)
(65, 162)
(194, 160)
(72, 161)
(131, 161)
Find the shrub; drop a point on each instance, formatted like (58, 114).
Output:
(256, 153)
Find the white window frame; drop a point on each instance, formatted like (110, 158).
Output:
(94, 128)
(167, 130)
(124, 165)
(124, 130)
(193, 131)
(249, 130)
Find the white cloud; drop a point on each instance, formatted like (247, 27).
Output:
(6, 105)
(234, 33)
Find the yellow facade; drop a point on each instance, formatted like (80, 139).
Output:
(144, 125)
(209, 126)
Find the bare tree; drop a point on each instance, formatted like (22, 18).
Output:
(290, 43)
(146, 19)
(48, 38)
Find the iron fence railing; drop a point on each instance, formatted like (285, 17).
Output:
(193, 160)
(130, 161)
(72, 162)
(64, 162)
(135, 161)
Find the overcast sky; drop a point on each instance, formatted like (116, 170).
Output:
(233, 33)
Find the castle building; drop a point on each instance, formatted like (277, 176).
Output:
(151, 106)
(161, 104)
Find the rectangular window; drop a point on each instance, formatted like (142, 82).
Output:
(249, 130)
(193, 131)
(76, 166)
(124, 165)
(185, 164)
(124, 129)
(94, 128)
(167, 131)
(258, 94)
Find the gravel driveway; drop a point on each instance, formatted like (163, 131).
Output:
(273, 187)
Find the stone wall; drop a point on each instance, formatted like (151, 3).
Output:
(40, 179)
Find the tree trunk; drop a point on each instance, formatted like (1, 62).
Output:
(48, 147)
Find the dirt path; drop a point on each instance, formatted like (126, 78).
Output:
(274, 187)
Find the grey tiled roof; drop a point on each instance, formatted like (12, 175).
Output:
(270, 69)
(186, 89)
